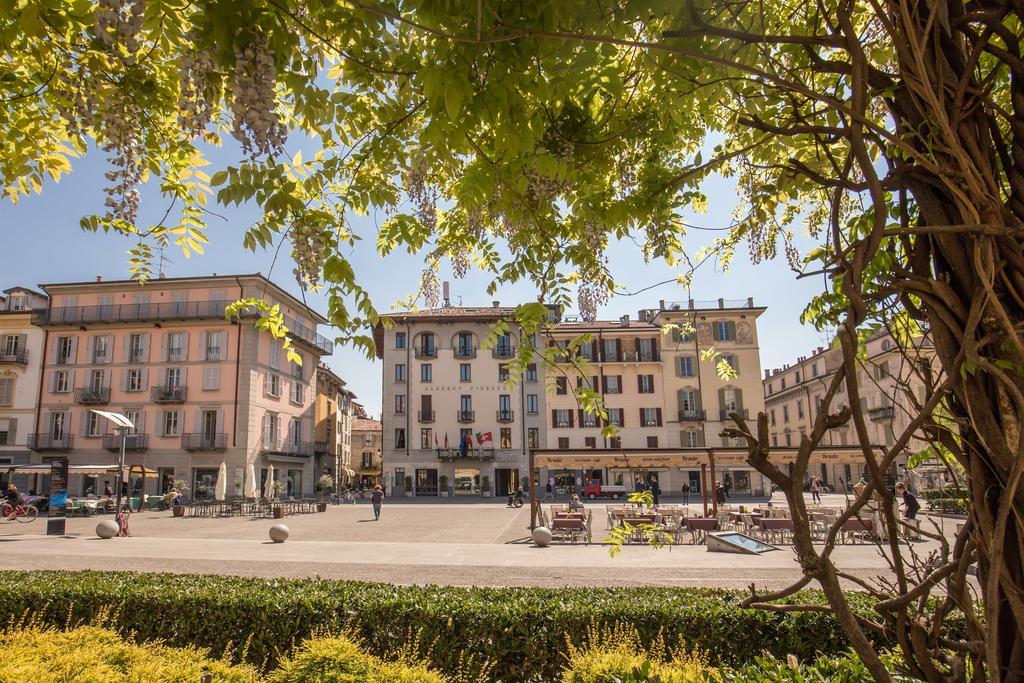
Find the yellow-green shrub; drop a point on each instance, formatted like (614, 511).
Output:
(617, 654)
(341, 660)
(97, 655)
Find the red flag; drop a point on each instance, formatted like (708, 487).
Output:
(435, 439)
(482, 438)
(446, 440)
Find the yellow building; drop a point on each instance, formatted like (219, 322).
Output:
(333, 428)
(367, 441)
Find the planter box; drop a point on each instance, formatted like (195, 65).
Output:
(444, 494)
(408, 494)
(278, 512)
(486, 494)
(178, 510)
(321, 507)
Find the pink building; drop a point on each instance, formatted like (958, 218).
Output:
(200, 389)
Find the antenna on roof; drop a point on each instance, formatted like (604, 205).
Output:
(161, 259)
(446, 290)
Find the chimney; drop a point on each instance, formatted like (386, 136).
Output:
(624, 320)
(767, 373)
(447, 298)
(661, 304)
(161, 276)
(99, 278)
(495, 304)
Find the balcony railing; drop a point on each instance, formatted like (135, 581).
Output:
(212, 353)
(288, 447)
(648, 356)
(506, 415)
(204, 442)
(48, 442)
(425, 352)
(14, 358)
(465, 416)
(726, 412)
(425, 416)
(465, 352)
(133, 442)
(121, 313)
(92, 397)
(881, 413)
(691, 304)
(297, 330)
(321, 448)
(167, 394)
(455, 454)
(175, 355)
(691, 415)
(503, 351)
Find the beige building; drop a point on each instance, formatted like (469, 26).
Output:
(21, 362)
(442, 388)
(367, 443)
(333, 445)
(793, 395)
(201, 390)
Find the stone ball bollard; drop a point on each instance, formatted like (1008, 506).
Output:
(279, 533)
(106, 529)
(541, 536)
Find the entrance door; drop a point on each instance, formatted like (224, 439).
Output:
(506, 480)
(467, 481)
(426, 482)
(741, 482)
(694, 481)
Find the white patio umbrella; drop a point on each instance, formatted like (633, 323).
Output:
(221, 492)
(252, 489)
(268, 489)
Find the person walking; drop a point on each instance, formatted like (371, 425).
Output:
(639, 486)
(107, 491)
(720, 493)
(655, 490)
(377, 499)
(551, 489)
(910, 502)
(815, 490)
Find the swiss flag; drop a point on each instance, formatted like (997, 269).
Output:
(485, 437)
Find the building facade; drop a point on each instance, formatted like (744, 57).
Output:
(793, 395)
(367, 443)
(21, 344)
(201, 390)
(453, 423)
(659, 388)
(333, 446)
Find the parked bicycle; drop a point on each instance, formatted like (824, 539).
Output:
(21, 513)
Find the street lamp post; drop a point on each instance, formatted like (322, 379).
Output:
(122, 425)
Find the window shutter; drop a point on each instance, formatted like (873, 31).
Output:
(622, 417)
(697, 400)
(732, 329)
(570, 419)
(12, 431)
(108, 354)
(73, 358)
(83, 428)
(185, 347)
(222, 345)
(642, 418)
(161, 422)
(89, 347)
(554, 418)
(700, 438)
(140, 423)
(52, 384)
(658, 410)
(714, 331)
(639, 384)
(145, 347)
(654, 346)
(127, 348)
(165, 346)
(53, 349)
(739, 401)
(618, 349)
(721, 401)
(679, 398)
(675, 335)
(22, 342)
(71, 380)
(266, 384)
(145, 379)
(604, 384)
(220, 421)
(266, 430)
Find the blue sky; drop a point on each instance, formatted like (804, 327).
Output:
(43, 243)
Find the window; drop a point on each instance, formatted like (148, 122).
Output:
(615, 442)
(176, 342)
(645, 384)
(532, 404)
(882, 370)
(769, 388)
(427, 347)
(691, 438)
(18, 302)
(771, 413)
(426, 372)
(6, 432)
(732, 361)
(652, 442)
(6, 391)
(563, 418)
(100, 349)
(724, 330)
(503, 372)
(503, 345)
(298, 393)
(298, 371)
(800, 409)
(400, 372)
(561, 386)
(505, 437)
(796, 377)
(136, 418)
(616, 417)
(650, 417)
(211, 378)
(93, 424)
(590, 442)
(610, 349)
(464, 345)
(11, 344)
(685, 366)
(367, 461)
(613, 384)
(61, 383)
(814, 369)
(173, 378)
(426, 438)
(275, 355)
(213, 345)
(563, 442)
(647, 349)
(533, 437)
(730, 400)
(466, 404)
(531, 372)
(400, 404)
(65, 350)
(688, 402)
(96, 378)
(775, 439)
(789, 439)
(136, 348)
(171, 423)
(785, 413)
(400, 437)
(399, 340)
(504, 407)
(133, 381)
(587, 419)
(273, 387)
(465, 372)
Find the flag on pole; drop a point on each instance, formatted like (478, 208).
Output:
(435, 439)
(484, 437)
(446, 440)
(464, 444)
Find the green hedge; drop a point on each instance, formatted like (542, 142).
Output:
(945, 492)
(522, 631)
(954, 506)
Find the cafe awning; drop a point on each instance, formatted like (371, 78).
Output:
(655, 458)
(99, 470)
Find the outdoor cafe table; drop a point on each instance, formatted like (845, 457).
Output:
(700, 526)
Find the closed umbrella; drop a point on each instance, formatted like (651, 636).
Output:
(252, 489)
(268, 490)
(221, 491)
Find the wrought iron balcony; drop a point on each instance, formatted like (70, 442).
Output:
(280, 446)
(48, 442)
(503, 351)
(121, 313)
(92, 396)
(425, 416)
(425, 352)
(881, 413)
(19, 357)
(692, 415)
(321, 448)
(133, 442)
(648, 356)
(466, 416)
(464, 352)
(506, 415)
(204, 442)
(726, 412)
(299, 332)
(166, 394)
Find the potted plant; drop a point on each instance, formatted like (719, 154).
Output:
(444, 486)
(177, 506)
(408, 486)
(485, 486)
(324, 484)
(277, 510)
